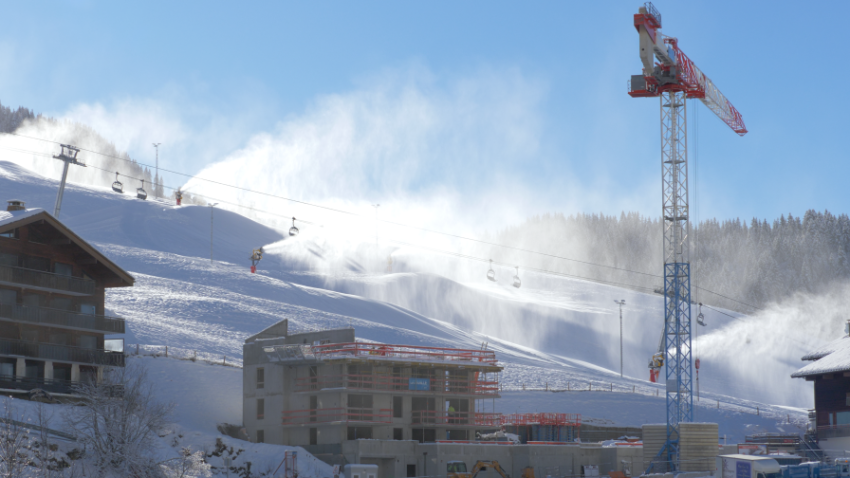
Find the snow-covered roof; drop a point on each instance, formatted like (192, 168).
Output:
(829, 358)
(9, 220)
(827, 349)
(7, 217)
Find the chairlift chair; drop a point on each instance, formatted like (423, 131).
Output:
(517, 282)
(141, 193)
(700, 317)
(117, 186)
(293, 231)
(491, 274)
(256, 257)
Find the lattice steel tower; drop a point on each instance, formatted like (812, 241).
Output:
(674, 79)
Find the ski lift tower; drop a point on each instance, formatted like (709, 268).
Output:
(674, 78)
(69, 156)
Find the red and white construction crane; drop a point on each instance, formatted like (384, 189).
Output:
(671, 76)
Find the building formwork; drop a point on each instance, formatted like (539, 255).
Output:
(543, 427)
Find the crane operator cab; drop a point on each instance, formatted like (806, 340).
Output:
(117, 186)
(517, 282)
(491, 274)
(141, 193)
(293, 231)
(256, 257)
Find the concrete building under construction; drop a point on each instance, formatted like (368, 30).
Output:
(323, 388)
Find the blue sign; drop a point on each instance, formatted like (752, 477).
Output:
(743, 469)
(422, 384)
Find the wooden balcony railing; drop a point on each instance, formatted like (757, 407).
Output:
(61, 353)
(329, 415)
(62, 318)
(394, 383)
(46, 280)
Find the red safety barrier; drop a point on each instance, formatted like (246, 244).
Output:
(404, 352)
(389, 382)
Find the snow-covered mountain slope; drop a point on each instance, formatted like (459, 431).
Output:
(554, 331)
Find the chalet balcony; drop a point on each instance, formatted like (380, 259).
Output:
(48, 385)
(46, 281)
(61, 318)
(374, 382)
(60, 353)
(833, 431)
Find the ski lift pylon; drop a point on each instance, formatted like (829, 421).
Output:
(141, 193)
(517, 282)
(293, 231)
(256, 257)
(117, 186)
(700, 317)
(491, 274)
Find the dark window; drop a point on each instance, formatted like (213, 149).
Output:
(61, 303)
(398, 411)
(13, 234)
(32, 300)
(423, 409)
(261, 408)
(7, 259)
(63, 269)
(360, 401)
(359, 432)
(8, 297)
(314, 377)
(428, 435)
(87, 342)
(457, 435)
(37, 263)
(398, 434)
(314, 436)
(61, 372)
(314, 405)
(261, 436)
(411, 471)
(261, 377)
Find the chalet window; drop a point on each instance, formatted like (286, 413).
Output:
(7, 259)
(842, 418)
(261, 408)
(59, 338)
(36, 263)
(261, 377)
(63, 269)
(7, 369)
(13, 234)
(89, 309)
(88, 342)
(261, 436)
(8, 297)
(61, 303)
(32, 300)
(847, 399)
(29, 335)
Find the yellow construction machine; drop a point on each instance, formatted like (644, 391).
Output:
(457, 469)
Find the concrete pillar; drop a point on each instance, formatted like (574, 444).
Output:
(48, 370)
(20, 368)
(99, 374)
(75, 373)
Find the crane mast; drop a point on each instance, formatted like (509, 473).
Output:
(674, 78)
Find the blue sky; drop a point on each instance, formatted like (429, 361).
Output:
(206, 78)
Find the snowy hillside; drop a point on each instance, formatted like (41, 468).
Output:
(554, 332)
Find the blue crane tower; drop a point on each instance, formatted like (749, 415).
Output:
(674, 78)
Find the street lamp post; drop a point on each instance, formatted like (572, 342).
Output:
(212, 207)
(621, 303)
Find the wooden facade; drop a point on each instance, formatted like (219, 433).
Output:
(52, 318)
(832, 399)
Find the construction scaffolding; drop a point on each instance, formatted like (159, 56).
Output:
(543, 428)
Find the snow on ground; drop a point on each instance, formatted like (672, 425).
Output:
(554, 331)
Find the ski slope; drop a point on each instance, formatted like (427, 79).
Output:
(553, 333)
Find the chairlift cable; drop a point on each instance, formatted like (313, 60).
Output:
(362, 215)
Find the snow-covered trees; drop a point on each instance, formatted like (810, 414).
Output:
(117, 423)
(756, 263)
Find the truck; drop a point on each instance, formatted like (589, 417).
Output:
(747, 466)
